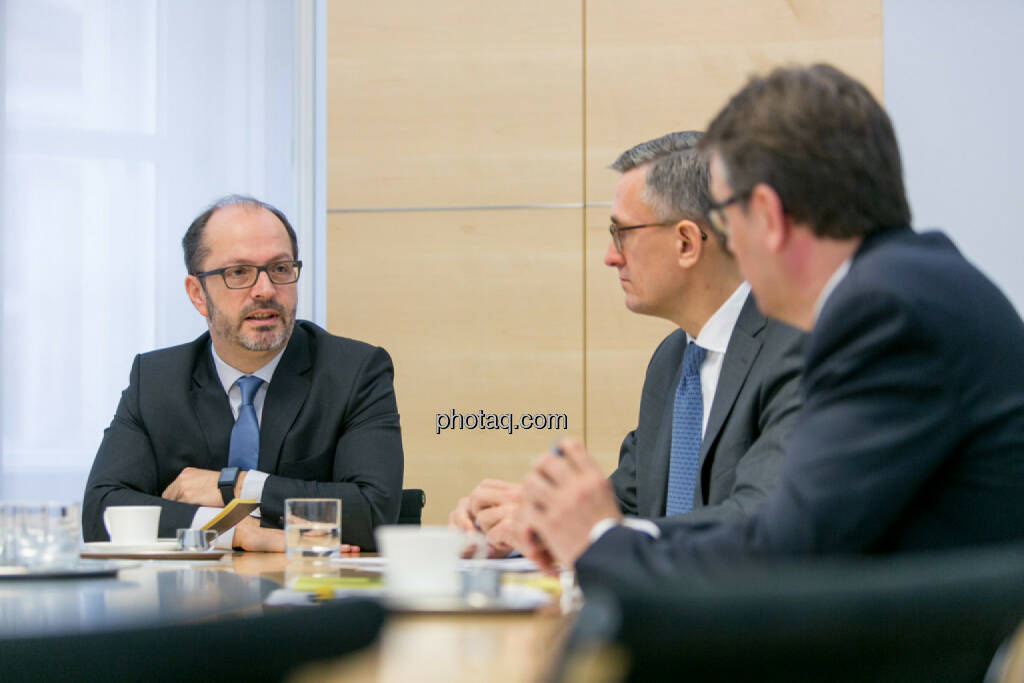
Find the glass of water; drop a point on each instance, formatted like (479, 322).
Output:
(312, 527)
(39, 534)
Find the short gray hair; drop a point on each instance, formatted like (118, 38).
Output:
(677, 175)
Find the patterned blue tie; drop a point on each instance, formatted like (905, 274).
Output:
(687, 419)
(244, 450)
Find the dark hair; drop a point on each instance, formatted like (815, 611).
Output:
(676, 184)
(822, 142)
(192, 242)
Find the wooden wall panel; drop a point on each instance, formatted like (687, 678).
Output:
(655, 66)
(480, 310)
(454, 103)
(462, 104)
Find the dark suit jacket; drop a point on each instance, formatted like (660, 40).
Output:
(741, 453)
(911, 435)
(329, 430)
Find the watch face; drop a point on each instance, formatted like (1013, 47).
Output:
(228, 475)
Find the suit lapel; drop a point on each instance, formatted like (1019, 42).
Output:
(210, 403)
(285, 396)
(743, 347)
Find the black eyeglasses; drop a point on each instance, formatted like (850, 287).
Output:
(614, 231)
(715, 215)
(245, 276)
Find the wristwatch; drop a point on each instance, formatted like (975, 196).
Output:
(226, 483)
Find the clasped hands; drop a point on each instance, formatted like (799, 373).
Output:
(199, 487)
(547, 518)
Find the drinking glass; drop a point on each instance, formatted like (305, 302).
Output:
(312, 527)
(61, 531)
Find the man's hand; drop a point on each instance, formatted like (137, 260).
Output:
(462, 517)
(249, 535)
(493, 508)
(195, 486)
(563, 498)
(505, 530)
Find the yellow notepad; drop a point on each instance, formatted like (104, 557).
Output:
(233, 513)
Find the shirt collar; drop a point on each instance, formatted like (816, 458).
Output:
(715, 334)
(831, 285)
(229, 375)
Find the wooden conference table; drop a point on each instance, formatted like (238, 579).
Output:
(446, 647)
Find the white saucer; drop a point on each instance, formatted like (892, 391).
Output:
(162, 545)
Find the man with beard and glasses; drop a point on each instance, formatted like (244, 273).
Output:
(261, 407)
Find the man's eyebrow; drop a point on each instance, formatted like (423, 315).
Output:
(273, 259)
(615, 221)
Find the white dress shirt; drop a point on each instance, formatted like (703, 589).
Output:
(252, 486)
(714, 337)
(830, 286)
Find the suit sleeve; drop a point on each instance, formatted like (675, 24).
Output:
(759, 468)
(125, 470)
(623, 479)
(368, 461)
(875, 425)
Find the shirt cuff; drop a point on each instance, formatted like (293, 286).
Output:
(252, 488)
(204, 515)
(642, 525)
(252, 485)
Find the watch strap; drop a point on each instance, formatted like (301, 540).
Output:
(227, 486)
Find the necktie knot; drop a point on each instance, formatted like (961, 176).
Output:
(249, 385)
(692, 359)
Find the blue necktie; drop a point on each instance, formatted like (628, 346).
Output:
(244, 450)
(687, 419)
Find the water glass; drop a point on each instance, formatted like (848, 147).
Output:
(39, 534)
(312, 527)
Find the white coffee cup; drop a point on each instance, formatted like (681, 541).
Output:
(132, 524)
(423, 562)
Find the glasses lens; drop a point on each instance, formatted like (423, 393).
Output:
(283, 272)
(238, 277)
(614, 232)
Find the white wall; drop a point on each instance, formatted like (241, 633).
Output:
(122, 120)
(953, 87)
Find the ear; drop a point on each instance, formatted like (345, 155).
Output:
(196, 294)
(689, 243)
(765, 209)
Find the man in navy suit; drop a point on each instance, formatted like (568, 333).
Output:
(911, 434)
(671, 264)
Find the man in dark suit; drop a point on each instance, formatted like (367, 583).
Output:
(746, 382)
(911, 435)
(259, 407)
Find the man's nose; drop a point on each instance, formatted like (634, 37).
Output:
(263, 288)
(612, 257)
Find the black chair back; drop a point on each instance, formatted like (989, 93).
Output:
(411, 511)
(930, 617)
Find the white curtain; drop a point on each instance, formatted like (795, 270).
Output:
(122, 120)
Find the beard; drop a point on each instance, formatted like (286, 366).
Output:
(267, 337)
